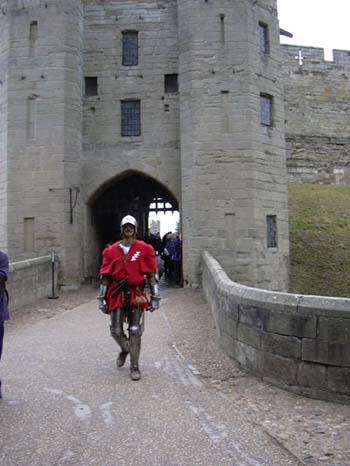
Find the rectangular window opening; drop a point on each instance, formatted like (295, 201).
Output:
(33, 31)
(222, 29)
(33, 37)
(225, 123)
(131, 117)
(264, 38)
(91, 86)
(130, 48)
(31, 117)
(271, 224)
(28, 234)
(170, 83)
(266, 109)
(230, 229)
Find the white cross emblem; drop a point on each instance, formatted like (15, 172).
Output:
(300, 57)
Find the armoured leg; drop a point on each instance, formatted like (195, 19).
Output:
(135, 333)
(117, 332)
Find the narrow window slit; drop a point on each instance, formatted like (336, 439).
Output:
(222, 29)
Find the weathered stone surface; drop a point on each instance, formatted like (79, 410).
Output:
(248, 357)
(253, 316)
(296, 363)
(312, 375)
(287, 346)
(278, 367)
(324, 306)
(339, 380)
(228, 343)
(334, 330)
(30, 280)
(227, 324)
(318, 144)
(291, 324)
(336, 354)
(249, 335)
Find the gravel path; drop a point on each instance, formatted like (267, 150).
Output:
(315, 432)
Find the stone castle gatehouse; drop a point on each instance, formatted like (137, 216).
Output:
(106, 105)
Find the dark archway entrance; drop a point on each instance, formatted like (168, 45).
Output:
(132, 194)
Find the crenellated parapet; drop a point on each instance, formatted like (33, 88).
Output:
(317, 93)
(313, 56)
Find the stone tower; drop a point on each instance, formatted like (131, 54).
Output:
(41, 127)
(213, 146)
(233, 166)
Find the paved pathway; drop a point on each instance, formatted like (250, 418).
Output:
(65, 403)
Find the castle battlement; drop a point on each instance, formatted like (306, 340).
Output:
(313, 56)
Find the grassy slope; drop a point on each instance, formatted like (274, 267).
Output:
(319, 219)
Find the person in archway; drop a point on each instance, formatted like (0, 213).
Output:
(126, 265)
(165, 254)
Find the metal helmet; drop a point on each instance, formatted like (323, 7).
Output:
(128, 219)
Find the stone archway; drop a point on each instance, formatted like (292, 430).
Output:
(131, 193)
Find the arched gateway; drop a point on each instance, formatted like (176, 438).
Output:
(129, 193)
(100, 97)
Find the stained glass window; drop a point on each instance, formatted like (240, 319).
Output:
(131, 117)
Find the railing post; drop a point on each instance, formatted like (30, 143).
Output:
(53, 261)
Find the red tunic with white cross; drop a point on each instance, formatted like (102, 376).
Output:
(139, 260)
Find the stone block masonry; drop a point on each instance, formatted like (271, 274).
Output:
(317, 94)
(300, 343)
(30, 280)
(204, 140)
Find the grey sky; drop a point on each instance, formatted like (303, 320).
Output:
(317, 23)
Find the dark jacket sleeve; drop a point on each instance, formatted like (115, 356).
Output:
(4, 267)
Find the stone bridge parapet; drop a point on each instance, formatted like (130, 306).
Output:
(30, 280)
(300, 343)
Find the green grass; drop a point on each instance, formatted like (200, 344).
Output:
(319, 226)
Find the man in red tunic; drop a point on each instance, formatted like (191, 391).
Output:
(125, 266)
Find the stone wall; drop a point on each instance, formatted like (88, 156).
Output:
(4, 39)
(204, 142)
(317, 95)
(30, 280)
(44, 113)
(108, 156)
(300, 343)
(233, 167)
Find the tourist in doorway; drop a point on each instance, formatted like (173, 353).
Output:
(4, 313)
(125, 266)
(166, 254)
(176, 259)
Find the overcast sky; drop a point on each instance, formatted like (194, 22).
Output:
(319, 23)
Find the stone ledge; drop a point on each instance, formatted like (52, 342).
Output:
(30, 280)
(28, 263)
(300, 343)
